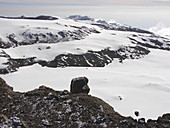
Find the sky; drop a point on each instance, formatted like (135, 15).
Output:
(137, 13)
(87, 2)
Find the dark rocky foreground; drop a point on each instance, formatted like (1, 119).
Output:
(45, 107)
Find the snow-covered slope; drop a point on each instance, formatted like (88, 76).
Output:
(75, 41)
(161, 29)
(135, 63)
(16, 32)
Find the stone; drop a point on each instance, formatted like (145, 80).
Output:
(79, 85)
(136, 113)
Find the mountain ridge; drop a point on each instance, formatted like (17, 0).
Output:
(43, 34)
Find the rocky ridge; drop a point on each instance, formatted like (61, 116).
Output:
(41, 17)
(45, 107)
(30, 38)
(89, 59)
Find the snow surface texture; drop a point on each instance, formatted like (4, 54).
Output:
(134, 85)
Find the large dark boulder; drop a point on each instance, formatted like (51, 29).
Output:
(79, 85)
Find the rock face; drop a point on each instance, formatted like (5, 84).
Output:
(45, 107)
(41, 17)
(88, 59)
(4, 88)
(79, 85)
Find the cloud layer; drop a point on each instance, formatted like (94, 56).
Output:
(88, 2)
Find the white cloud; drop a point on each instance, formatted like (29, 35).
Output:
(161, 29)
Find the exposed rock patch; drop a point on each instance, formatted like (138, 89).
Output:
(29, 38)
(97, 58)
(120, 28)
(41, 17)
(88, 59)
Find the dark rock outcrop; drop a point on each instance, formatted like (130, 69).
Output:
(5, 88)
(88, 59)
(97, 58)
(79, 17)
(79, 85)
(41, 17)
(121, 28)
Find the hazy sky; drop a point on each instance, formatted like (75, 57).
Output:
(86, 2)
(141, 13)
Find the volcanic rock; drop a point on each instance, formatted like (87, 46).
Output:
(45, 107)
(4, 88)
(79, 85)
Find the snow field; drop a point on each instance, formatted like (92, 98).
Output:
(135, 85)
(139, 85)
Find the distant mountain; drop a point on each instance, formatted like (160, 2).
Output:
(41, 17)
(74, 41)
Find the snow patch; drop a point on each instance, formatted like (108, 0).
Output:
(161, 29)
